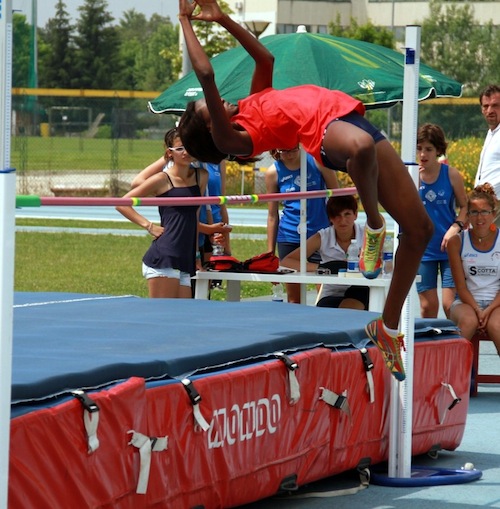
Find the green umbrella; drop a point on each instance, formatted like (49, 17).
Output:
(369, 72)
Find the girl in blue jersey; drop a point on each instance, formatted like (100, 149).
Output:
(442, 192)
(475, 264)
(283, 176)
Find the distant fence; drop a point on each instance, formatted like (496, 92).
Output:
(92, 142)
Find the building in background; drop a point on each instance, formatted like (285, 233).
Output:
(284, 16)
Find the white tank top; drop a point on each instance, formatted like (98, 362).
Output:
(481, 268)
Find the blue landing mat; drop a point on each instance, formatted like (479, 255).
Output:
(65, 341)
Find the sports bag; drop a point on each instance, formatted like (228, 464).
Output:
(224, 264)
(265, 262)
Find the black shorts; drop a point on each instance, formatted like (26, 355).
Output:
(358, 120)
(361, 293)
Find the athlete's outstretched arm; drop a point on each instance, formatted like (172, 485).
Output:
(225, 136)
(264, 60)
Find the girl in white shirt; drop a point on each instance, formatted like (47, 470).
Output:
(332, 244)
(475, 264)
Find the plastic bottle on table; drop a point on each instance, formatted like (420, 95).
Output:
(277, 293)
(353, 257)
(217, 247)
(388, 258)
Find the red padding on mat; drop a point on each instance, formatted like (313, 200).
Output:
(50, 466)
(256, 437)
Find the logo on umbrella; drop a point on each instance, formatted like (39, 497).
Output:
(193, 92)
(367, 85)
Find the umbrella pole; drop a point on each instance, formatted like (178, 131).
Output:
(7, 227)
(400, 440)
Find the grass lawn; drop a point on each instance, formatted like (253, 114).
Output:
(103, 263)
(79, 153)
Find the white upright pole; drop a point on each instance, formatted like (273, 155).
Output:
(402, 393)
(7, 223)
(303, 223)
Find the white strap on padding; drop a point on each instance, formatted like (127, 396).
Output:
(455, 401)
(91, 422)
(371, 386)
(368, 365)
(198, 417)
(146, 446)
(293, 383)
(336, 400)
(294, 387)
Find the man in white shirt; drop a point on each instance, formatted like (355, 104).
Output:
(489, 162)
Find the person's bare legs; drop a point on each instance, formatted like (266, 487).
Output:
(346, 142)
(466, 319)
(168, 288)
(493, 328)
(293, 293)
(429, 303)
(380, 176)
(399, 197)
(447, 297)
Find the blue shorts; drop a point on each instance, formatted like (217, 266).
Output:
(358, 120)
(285, 248)
(482, 304)
(428, 271)
(151, 272)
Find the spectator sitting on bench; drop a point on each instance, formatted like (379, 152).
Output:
(475, 265)
(332, 244)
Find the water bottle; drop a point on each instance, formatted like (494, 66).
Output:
(277, 293)
(217, 250)
(387, 258)
(353, 257)
(217, 247)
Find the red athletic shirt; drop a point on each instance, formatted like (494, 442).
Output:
(284, 118)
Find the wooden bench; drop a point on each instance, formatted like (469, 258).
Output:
(476, 376)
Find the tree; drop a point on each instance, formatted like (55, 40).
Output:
(97, 64)
(375, 35)
(213, 39)
(141, 46)
(454, 43)
(21, 51)
(56, 51)
(368, 32)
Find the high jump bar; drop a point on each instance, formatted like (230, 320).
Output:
(39, 201)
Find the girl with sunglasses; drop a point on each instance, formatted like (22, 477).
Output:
(170, 261)
(475, 265)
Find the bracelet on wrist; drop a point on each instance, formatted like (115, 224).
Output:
(150, 225)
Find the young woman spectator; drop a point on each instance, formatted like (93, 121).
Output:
(213, 222)
(332, 243)
(284, 177)
(475, 265)
(442, 192)
(170, 261)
